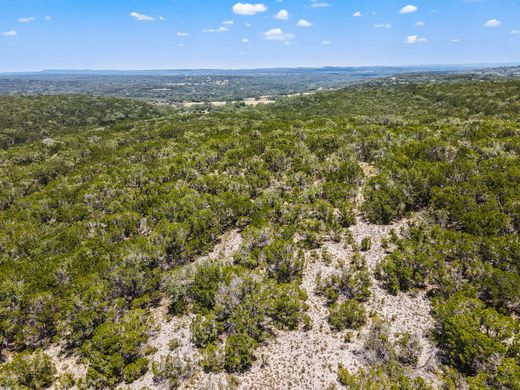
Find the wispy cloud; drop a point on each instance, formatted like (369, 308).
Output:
(277, 34)
(183, 34)
(326, 43)
(249, 9)
(414, 39)
(221, 29)
(141, 17)
(382, 25)
(10, 33)
(357, 14)
(319, 4)
(419, 24)
(27, 19)
(515, 32)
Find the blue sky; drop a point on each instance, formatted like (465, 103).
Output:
(158, 34)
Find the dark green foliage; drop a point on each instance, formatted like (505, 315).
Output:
(385, 377)
(347, 315)
(97, 224)
(114, 351)
(239, 353)
(366, 244)
(28, 371)
(472, 335)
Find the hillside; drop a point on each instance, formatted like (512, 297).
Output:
(362, 238)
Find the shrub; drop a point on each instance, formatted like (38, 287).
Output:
(171, 369)
(408, 349)
(366, 244)
(204, 330)
(28, 371)
(347, 315)
(239, 353)
(135, 370)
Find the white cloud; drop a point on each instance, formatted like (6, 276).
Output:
(141, 17)
(47, 17)
(382, 25)
(26, 19)
(492, 23)
(303, 23)
(414, 39)
(408, 9)
(317, 4)
(276, 34)
(419, 24)
(515, 32)
(249, 9)
(357, 14)
(228, 22)
(282, 15)
(245, 40)
(183, 34)
(221, 29)
(10, 33)
(455, 40)
(248, 24)
(162, 18)
(326, 43)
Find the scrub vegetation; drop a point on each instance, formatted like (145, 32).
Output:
(110, 207)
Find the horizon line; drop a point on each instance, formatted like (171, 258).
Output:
(78, 70)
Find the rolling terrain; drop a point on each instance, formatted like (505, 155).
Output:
(362, 238)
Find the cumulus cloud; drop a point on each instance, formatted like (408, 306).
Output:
(414, 39)
(282, 15)
(183, 34)
(408, 9)
(245, 40)
(419, 24)
(249, 9)
(26, 19)
(357, 14)
(228, 22)
(492, 23)
(141, 17)
(10, 33)
(382, 25)
(303, 23)
(277, 34)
